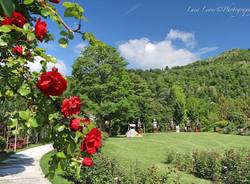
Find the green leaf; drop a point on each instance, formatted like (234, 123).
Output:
(68, 4)
(8, 7)
(31, 36)
(24, 90)
(60, 128)
(71, 36)
(63, 42)
(73, 10)
(3, 43)
(25, 115)
(28, 1)
(9, 93)
(26, 26)
(45, 12)
(60, 155)
(63, 33)
(14, 122)
(71, 148)
(33, 122)
(5, 28)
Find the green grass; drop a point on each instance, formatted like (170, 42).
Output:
(152, 148)
(58, 179)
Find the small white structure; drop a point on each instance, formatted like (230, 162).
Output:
(178, 128)
(131, 131)
(155, 124)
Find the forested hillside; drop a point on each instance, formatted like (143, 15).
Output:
(214, 92)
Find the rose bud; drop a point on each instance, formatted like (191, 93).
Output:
(55, 1)
(18, 50)
(87, 162)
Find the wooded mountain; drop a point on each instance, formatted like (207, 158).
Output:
(214, 92)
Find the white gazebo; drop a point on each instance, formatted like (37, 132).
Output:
(132, 132)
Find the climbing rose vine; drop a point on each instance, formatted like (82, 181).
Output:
(22, 27)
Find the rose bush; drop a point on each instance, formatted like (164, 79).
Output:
(22, 28)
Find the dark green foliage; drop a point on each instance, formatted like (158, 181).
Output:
(182, 162)
(206, 164)
(107, 170)
(100, 75)
(2, 144)
(214, 89)
(235, 167)
(230, 167)
(208, 91)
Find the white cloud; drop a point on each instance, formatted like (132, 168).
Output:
(145, 54)
(36, 66)
(79, 48)
(185, 37)
(133, 8)
(205, 50)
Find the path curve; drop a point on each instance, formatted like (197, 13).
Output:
(24, 167)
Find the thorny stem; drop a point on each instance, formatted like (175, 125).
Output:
(77, 30)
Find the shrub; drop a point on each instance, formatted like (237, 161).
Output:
(105, 170)
(182, 162)
(206, 164)
(152, 176)
(108, 171)
(231, 167)
(235, 167)
(2, 144)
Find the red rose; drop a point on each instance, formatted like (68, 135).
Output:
(40, 29)
(52, 83)
(55, 1)
(87, 162)
(71, 106)
(75, 124)
(92, 141)
(18, 50)
(17, 19)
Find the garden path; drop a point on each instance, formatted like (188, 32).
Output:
(24, 167)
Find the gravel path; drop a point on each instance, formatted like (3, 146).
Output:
(24, 167)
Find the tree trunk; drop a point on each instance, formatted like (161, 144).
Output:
(37, 137)
(27, 141)
(15, 139)
(7, 138)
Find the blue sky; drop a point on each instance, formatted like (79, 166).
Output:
(156, 33)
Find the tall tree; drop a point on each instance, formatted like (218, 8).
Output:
(100, 74)
(178, 101)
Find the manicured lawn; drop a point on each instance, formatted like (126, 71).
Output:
(151, 149)
(45, 167)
